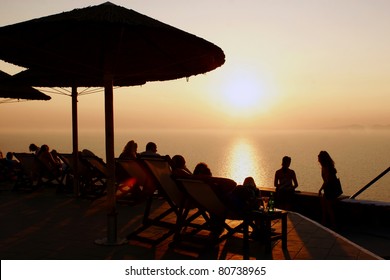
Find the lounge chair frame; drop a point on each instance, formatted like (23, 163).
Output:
(27, 177)
(159, 169)
(86, 177)
(208, 201)
(34, 173)
(96, 176)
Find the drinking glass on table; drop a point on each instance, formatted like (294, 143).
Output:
(265, 203)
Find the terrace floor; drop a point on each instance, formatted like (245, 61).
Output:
(43, 225)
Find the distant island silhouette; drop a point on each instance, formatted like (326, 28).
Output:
(362, 127)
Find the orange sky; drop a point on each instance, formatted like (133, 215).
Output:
(289, 64)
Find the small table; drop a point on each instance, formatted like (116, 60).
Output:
(267, 218)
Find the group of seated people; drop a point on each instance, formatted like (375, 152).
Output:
(238, 197)
(228, 190)
(130, 150)
(48, 158)
(48, 166)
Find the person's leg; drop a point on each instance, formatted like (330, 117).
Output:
(323, 211)
(331, 215)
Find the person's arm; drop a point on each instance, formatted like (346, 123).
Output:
(295, 181)
(53, 163)
(187, 170)
(321, 189)
(324, 178)
(276, 180)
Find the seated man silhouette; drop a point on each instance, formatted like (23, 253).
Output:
(150, 150)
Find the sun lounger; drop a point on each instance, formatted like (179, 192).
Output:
(184, 212)
(96, 175)
(27, 177)
(134, 173)
(133, 180)
(34, 173)
(207, 200)
(51, 176)
(86, 177)
(8, 170)
(3, 171)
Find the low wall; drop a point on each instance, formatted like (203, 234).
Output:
(366, 213)
(305, 203)
(347, 211)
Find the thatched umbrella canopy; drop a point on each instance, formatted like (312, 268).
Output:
(108, 42)
(11, 91)
(109, 45)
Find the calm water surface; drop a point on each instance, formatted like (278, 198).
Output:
(360, 155)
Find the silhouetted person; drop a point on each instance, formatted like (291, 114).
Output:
(150, 150)
(87, 153)
(33, 148)
(285, 183)
(222, 187)
(249, 182)
(246, 197)
(178, 165)
(45, 156)
(9, 157)
(55, 155)
(328, 174)
(129, 151)
(202, 169)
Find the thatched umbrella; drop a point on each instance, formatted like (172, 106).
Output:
(108, 45)
(108, 42)
(11, 91)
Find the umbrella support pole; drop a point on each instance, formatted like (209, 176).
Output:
(111, 239)
(75, 138)
(112, 214)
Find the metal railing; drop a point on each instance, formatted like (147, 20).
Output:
(369, 184)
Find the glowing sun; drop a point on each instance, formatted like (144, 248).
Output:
(244, 94)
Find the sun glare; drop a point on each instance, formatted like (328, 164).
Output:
(244, 94)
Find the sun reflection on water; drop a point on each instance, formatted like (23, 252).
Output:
(243, 162)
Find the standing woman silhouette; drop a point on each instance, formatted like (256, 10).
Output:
(328, 174)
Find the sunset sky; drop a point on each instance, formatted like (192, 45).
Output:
(289, 64)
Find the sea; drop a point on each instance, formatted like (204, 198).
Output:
(360, 155)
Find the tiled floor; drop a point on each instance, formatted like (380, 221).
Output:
(45, 225)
